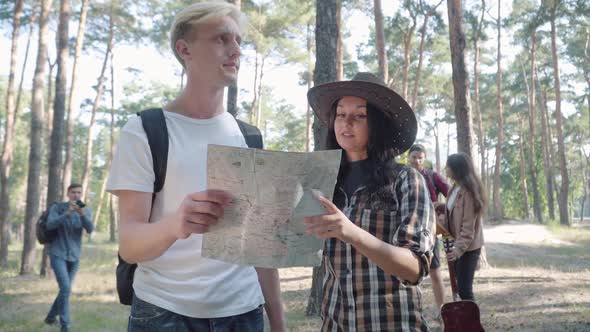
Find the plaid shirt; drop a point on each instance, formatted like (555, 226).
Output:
(357, 294)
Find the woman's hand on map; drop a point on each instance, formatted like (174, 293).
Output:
(334, 224)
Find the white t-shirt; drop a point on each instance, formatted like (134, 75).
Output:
(181, 280)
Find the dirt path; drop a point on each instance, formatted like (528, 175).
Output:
(537, 281)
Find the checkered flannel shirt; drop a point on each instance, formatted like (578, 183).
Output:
(357, 294)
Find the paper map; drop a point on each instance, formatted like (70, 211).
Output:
(273, 192)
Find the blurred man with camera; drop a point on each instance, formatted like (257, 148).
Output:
(69, 218)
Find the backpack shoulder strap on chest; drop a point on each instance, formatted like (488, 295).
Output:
(251, 134)
(154, 125)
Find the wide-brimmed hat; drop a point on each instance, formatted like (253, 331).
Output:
(375, 92)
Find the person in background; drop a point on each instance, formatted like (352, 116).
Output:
(466, 206)
(69, 218)
(436, 185)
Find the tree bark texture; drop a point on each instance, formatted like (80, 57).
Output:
(380, 39)
(532, 156)
(523, 180)
(35, 152)
(564, 188)
(460, 78)
(54, 181)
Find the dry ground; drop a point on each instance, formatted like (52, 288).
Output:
(538, 280)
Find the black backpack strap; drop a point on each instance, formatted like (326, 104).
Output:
(251, 134)
(154, 125)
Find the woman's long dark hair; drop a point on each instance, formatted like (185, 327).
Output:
(380, 152)
(464, 175)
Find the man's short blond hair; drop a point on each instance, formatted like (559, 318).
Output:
(187, 19)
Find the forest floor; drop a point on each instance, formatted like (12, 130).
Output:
(538, 280)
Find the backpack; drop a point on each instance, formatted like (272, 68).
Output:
(154, 125)
(44, 235)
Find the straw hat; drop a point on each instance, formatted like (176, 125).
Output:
(375, 92)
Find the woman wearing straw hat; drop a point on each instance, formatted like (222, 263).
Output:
(379, 230)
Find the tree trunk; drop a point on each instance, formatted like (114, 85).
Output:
(421, 53)
(99, 89)
(460, 78)
(550, 150)
(54, 183)
(563, 191)
(6, 158)
(32, 22)
(309, 112)
(259, 104)
(476, 47)
(531, 136)
(111, 147)
(380, 41)
(500, 120)
(326, 37)
(585, 187)
(407, 48)
(339, 52)
(33, 189)
(46, 151)
(69, 135)
(254, 106)
(113, 224)
(523, 181)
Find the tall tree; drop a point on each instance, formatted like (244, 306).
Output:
(326, 39)
(99, 90)
(499, 118)
(547, 160)
(339, 48)
(232, 90)
(532, 156)
(54, 183)
(309, 73)
(33, 189)
(407, 29)
(380, 41)
(476, 61)
(6, 158)
(107, 167)
(429, 11)
(69, 132)
(460, 78)
(523, 180)
(564, 188)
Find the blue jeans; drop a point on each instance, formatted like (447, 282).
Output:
(64, 271)
(146, 317)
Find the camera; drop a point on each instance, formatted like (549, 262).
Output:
(80, 204)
